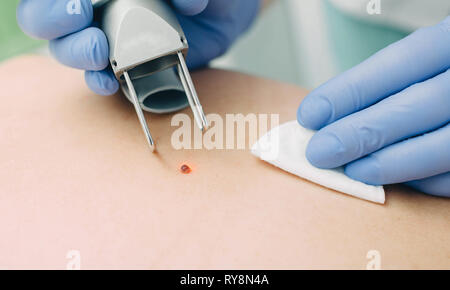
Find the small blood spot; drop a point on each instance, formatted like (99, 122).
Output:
(185, 169)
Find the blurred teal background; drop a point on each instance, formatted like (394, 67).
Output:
(306, 42)
(353, 40)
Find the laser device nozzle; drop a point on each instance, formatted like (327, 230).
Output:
(147, 54)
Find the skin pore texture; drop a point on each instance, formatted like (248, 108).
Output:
(76, 174)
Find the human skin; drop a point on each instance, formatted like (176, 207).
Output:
(76, 174)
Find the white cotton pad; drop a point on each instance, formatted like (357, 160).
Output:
(285, 147)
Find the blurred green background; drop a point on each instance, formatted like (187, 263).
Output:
(12, 40)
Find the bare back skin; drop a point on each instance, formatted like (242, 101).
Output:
(76, 174)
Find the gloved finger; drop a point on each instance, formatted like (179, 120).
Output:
(190, 7)
(50, 19)
(102, 82)
(413, 159)
(86, 50)
(423, 54)
(204, 46)
(416, 110)
(438, 185)
(210, 37)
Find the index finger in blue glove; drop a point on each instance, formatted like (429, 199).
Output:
(422, 55)
(50, 19)
(213, 31)
(211, 8)
(418, 109)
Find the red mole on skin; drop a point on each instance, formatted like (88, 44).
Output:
(185, 169)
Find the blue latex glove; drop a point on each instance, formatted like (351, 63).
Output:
(210, 27)
(387, 119)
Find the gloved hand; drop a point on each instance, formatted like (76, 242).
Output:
(210, 27)
(387, 119)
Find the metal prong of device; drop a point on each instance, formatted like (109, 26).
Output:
(139, 112)
(191, 102)
(191, 94)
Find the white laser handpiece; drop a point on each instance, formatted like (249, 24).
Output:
(147, 54)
